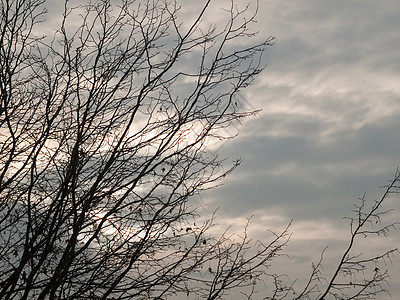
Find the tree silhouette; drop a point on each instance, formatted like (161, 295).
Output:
(104, 127)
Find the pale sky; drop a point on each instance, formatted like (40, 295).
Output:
(328, 130)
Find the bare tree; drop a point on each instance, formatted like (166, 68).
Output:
(358, 274)
(104, 127)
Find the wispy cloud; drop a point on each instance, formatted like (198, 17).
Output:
(328, 131)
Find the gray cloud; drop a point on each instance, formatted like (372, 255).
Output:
(329, 126)
(328, 131)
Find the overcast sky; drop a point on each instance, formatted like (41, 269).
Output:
(328, 130)
(329, 126)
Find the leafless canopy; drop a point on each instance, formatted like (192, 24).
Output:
(105, 124)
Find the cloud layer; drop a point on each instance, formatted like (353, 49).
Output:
(328, 131)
